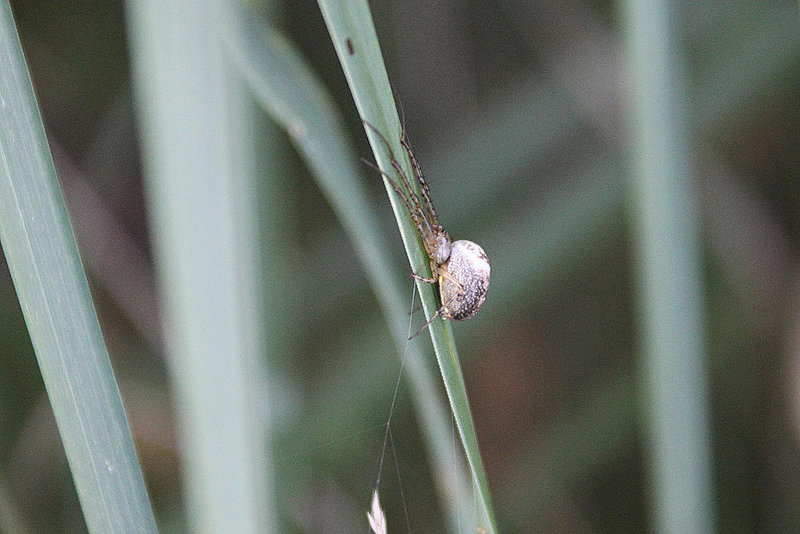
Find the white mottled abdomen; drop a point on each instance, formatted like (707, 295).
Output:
(469, 265)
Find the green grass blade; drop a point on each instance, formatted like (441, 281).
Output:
(288, 90)
(351, 28)
(43, 259)
(664, 216)
(202, 210)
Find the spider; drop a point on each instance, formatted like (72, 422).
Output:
(461, 268)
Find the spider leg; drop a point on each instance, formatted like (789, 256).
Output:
(431, 280)
(450, 277)
(438, 271)
(426, 192)
(439, 313)
(412, 196)
(427, 324)
(414, 215)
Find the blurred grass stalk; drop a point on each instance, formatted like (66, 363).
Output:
(51, 286)
(200, 185)
(353, 34)
(289, 91)
(764, 48)
(665, 221)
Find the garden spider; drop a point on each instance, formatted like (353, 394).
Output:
(461, 268)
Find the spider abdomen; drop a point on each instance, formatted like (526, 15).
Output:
(468, 265)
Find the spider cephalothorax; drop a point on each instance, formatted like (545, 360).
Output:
(461, 268)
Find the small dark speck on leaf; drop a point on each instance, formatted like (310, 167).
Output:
(350, 48)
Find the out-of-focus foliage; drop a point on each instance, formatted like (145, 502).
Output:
(515, 110)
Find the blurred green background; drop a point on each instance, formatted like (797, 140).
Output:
(516, 111)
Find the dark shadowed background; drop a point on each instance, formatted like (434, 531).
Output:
(516, 111)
